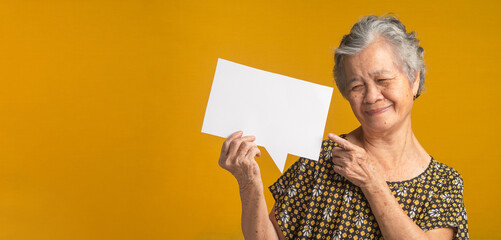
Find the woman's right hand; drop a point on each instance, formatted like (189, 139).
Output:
(237, 156)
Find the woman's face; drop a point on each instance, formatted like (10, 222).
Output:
(379, 93)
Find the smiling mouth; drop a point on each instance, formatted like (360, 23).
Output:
(377, 110)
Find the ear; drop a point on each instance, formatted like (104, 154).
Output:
(415, 84)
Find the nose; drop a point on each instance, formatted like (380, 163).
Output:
(372, 94)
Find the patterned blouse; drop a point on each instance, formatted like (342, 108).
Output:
(314, 202)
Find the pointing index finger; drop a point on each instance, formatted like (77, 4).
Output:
(343, 143)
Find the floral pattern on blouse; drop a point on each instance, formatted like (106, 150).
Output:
(314, 202)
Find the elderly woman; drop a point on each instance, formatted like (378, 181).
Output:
(375, 182)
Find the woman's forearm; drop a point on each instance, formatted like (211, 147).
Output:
(256, 223)
(237, 156)
(392, 220)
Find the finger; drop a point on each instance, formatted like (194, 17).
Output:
(253, 152)
(258, 154)
(244, 148)
(226, 144)
(339, 152)
(236, 134)
(340, 161)
(339, 169)
(235, 144)
(249, 138)
(341, 141)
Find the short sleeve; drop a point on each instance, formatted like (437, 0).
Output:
(446, 207)
(293, 184)
(298, 179)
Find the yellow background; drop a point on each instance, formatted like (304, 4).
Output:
(102, 104)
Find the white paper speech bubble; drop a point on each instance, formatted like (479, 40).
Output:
(286, 115)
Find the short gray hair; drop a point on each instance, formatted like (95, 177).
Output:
(409, 55)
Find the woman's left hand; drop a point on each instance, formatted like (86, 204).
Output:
(353, 163)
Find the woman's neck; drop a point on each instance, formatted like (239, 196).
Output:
(396, 151)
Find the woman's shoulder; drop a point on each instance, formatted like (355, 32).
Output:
(445, 175)
(444, 169)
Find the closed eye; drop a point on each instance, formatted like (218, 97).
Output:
(356, 87)
(384, 81)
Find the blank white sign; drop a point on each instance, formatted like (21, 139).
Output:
(286, 115)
